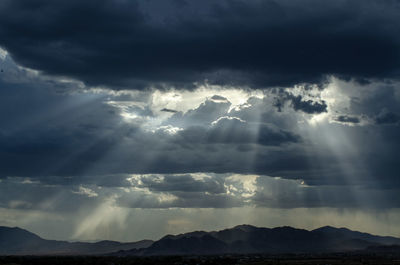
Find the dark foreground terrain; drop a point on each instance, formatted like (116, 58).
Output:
(204, 260)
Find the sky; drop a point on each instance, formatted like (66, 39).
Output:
(125, 120)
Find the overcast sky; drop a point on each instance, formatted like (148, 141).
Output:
(126, 120)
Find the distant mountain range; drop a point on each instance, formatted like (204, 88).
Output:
(17, 241)
(242, 239)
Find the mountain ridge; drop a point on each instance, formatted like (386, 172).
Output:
(18, 241)
(247, 239)
(241, 239)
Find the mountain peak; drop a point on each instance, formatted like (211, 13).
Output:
(10, 228)
(326, 227)
(245, 227)
(16, 231)
(329, 228)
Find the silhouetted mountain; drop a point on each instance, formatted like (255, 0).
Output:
(17, 241)
(346, 233)
(201, 245)
(245, 239)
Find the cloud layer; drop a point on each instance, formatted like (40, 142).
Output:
(250, 43)
(296, 133)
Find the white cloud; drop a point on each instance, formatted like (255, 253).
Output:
(86, 192)
(3, 54)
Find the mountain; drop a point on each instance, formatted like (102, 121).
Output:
(17, 241)
(245, 239)
(242, 239)
(344, 232)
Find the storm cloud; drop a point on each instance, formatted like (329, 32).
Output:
(347, 119)
(129, 44)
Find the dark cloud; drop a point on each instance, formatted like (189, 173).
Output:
(298, 103)
(219, 98)
(55, 132)
(308, 106)
(347, 119)
(387, 117)
(253, 43)
(169, 110)
(291, 194)
(25, 194)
